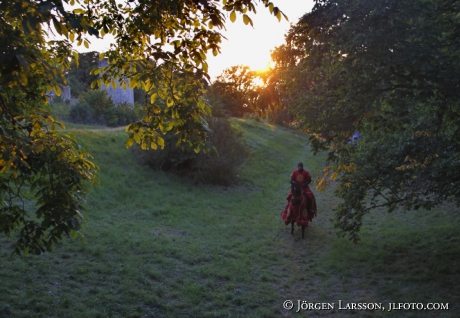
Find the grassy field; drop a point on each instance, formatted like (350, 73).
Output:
(158, 246)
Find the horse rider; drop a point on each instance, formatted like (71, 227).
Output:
(302, 177)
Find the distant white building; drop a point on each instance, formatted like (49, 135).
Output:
(118, 94)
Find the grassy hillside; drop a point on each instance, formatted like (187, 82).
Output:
(158, 246)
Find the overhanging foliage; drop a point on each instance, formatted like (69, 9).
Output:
(390, 70)
(159, 46)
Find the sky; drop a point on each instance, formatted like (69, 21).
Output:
(251, 46)
(245, 45)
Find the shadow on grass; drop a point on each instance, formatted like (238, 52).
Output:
(402, 260)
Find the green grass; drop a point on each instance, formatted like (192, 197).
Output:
(158, 246)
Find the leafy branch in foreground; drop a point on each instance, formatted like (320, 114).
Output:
(43, 174)
(159, 46)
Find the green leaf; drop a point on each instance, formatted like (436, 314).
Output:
(73, 234)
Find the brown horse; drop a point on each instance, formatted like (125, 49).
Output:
(296, 211)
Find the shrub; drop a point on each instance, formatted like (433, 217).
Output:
(217, 105)
(81, 114)
(284, 117)
(96, 108)
(253, 116)
(121, 115)
(217, 166)
(60, 108)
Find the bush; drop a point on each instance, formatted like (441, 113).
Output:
(253, 116)
(218, 166)
(82, 114)
(217, 106)
(121, 115)
(96, 108)
(284, 117)
(60, 109)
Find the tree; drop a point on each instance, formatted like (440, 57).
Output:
(79, 77)
(160, 46)
(235, 89)
(390, 70)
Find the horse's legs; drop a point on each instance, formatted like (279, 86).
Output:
(292, 227)
(303, 231)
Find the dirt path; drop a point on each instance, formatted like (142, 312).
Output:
(123, 128)
(305, 275)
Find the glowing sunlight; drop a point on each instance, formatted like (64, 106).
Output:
(251, 46)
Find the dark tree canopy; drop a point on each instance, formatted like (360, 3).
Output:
(159, 46)
(390, 70)
(79, 77)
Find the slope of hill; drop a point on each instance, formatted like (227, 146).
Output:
(158, 246)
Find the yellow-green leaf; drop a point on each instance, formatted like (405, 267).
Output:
(161, 142)
(246, 19)
(57, 90)
(22, 78)
(129, 142)
(39, 148)
(153, 98)
(75, 56)
(137, 138)
(233, 16)
(205, 66)
(34, 132)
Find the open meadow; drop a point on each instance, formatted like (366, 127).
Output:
(157, 245)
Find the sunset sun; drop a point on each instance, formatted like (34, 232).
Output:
(251, 46)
